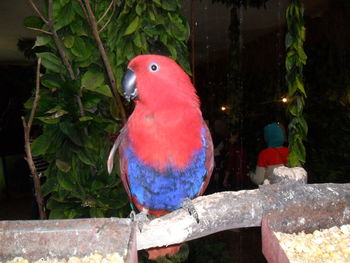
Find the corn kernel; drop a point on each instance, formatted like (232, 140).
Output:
(328, 245)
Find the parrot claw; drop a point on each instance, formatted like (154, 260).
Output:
(141, 218)
(187, 204)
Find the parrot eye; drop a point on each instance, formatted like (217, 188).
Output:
(153, 67)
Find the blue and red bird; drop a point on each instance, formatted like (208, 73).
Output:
(165, 148)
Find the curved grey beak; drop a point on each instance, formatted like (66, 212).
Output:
(129, 85)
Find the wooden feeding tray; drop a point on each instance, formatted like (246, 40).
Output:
(35, 239)
(308, 218)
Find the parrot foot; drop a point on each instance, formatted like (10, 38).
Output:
(141, 218)
(187, 204)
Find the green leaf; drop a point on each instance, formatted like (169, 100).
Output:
(68, 41)
(91, 99)
(85, 158)
(292, 108)
(72, 132)
(57, 213)
(51, 62)
(137, 39)
(112, 128)
(65, 16)
(129, 51)
(291, 89)
(79, 48)
(40, 144)
(33, 21)
(79, 28)
(51, 81)
(64, 2)
(157, 2)
(97, 185)
(300, 86)
(139, 9)
(71, 213)
(303, 127)
(169, 5)
(106, 202)
(48, 120)
(42, 41)
(90, 143)
(86, 118)
(172, 50)
(114, 109)
(92, 79)
(49, 186)
(29, 103)
(151, 15)
(64, 167)
(55, 112)
(78, 10)
(177, 27)
(104, 90)
(96, 212)
(132, 27)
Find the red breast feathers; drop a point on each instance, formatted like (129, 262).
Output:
(165, 127)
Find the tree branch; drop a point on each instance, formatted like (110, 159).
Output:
(29, 157)
(229, 210)
(58, 42)
(39, 30)
(82, 112)
(38, 11)
(105, 60)
(84, 10)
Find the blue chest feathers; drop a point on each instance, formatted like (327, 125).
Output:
(166, 190)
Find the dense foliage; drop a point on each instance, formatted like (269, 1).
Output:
(78, 115)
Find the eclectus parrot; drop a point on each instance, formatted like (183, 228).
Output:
(165, 148)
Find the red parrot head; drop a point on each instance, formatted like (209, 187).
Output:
(163, 83)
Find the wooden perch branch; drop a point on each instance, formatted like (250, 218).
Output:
(29, 158)
(229, 210)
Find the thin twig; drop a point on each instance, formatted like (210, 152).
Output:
(39, 30)
(82, 112)
(29, 157)
(108, 21)
(38, 11)
(84, 10)
(37, 97)
(104, 57)
(106, 12)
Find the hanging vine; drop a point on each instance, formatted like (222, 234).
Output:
(295, 60)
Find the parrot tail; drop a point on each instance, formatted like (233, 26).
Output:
(157, 252)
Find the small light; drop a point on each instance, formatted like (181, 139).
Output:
(284, 100)
(223, 108)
